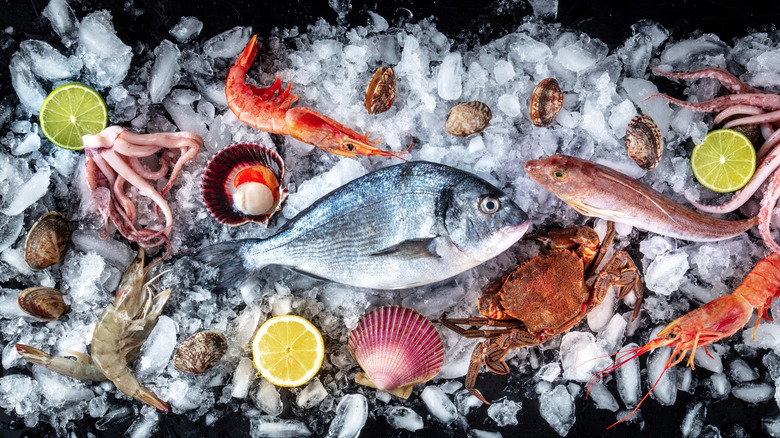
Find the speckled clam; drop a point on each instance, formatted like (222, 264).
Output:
(546, 102)
(468, 118)
(243, 183)
(44, 303)
(200, 352)
(46, 242)
(380, 93)
(644, 142)
(397, 348)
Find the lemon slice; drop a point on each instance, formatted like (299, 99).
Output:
(70, 111)
(288, 350)
(724, 162)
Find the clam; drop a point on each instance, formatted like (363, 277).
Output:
(468, 118)
(46, 241)
(644, 142)
(243, 183)
(380, 93)
(397, 348)
(45, 303)
(201, 351)
(546, 102)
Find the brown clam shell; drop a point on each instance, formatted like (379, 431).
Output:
(220, 171)
(380, 93)
(46, 241)
(201, 351)
(644, 142)
(546, 102)
(468, 118)
(44, 303)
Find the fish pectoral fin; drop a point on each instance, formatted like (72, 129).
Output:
(412, 249)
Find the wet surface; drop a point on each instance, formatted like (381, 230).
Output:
(608, 20)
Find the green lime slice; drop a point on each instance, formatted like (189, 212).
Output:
(70, 111)
(724, 162)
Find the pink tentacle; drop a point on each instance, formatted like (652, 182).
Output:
(186, 156)
(765, 213)
(769, 144)
(727, 79)
(124, 202)
(737, 110)
(764, 171)
(770, 117)
(769, 102)
(767, 129)
(146, 173)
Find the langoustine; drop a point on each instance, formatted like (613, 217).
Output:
(112, 160)
(121, 330)
(719, 319)
(596, 190)
(752, 107)
(268, 109)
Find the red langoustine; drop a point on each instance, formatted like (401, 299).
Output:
(716, 320)
(268, 109)
(753, 107)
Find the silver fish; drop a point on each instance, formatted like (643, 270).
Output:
(402, 226)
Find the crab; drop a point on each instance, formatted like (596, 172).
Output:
(544, 297)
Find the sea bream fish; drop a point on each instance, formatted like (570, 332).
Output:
(596, 190)
(407, 225)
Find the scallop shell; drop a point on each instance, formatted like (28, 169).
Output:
(644, 142)
(46, 242)
(468, 118)
(221, 195)
(397, 348)
(546, 102)
(380, 93)
(201, 351)
(45, 303)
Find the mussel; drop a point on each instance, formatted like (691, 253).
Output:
(546, 102)
(200, 352)
(44, 303)
(46, 242)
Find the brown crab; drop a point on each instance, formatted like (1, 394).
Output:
(545, 296)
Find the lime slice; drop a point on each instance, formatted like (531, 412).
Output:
(70, 111)
(288, 350)
(724, 162)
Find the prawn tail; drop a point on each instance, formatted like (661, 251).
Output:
(231, 261)
(148, 396)
(34, 355)
(247, 57)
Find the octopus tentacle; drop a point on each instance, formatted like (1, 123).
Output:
(145, 172)
(770, 117)
(186, 156)
(765, 213)
(769, 102)
(737, 110)
(727, 79)
(764, 171)
(127, 205)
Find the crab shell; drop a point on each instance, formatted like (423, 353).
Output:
(243, 183)
(397, 348)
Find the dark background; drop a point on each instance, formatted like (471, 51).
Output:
(467, 22)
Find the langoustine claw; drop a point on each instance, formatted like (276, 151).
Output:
(716, 320)
(268, 109)
(112, 159)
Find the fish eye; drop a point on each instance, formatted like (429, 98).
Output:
(489, 204)
(350, 147)
(558, 175)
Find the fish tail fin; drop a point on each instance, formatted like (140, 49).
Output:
(230, 261)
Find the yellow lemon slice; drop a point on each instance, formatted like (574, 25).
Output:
(288, 350)
(724, 162)
(70, 111)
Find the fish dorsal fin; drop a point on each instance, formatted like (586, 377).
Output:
(424, 247)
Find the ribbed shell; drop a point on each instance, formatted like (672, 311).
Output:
(46, 242)
(200, 352)
(396, 347)
(380, 93)
(219, 173)
(44, 303)
(644, 142)
(468, 118)
(546, 102)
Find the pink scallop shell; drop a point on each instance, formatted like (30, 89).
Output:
(219, 173)
(397, 347)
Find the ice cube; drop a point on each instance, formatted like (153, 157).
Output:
(242, 377)
(401, 417)
(549, 372)
(227, 44)
(47, 62)
(29, 192)
(186, 29)
(660, 378)
(312, 394)
(144, 425)
(694, 420)
(267, 426)
(557, 408)
(547, 9)
(62, 20)
(267, 398)
(504, 413)
(158, 348)
(509, 105)
(30, 143)
(740, 371)
(504, 71)
(10, 227)
(582, 356)
(720, 385)
(602, 397)
(665, 274)
(754, 392)
(105, 56)
(351, 415)
(465, 401)
(438, 404)
(627, 378)
(638, 91)
(450, 77)
(165, 71)
(116, 252)
(27, 87)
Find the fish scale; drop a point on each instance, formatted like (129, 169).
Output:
(402, 226)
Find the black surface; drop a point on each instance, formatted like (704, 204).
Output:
(608, 20)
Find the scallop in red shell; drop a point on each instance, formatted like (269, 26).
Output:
(243, 183)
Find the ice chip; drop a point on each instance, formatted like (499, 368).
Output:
(665, 389)
(29, 192)
(582, 356)
(10, 227)
(604, 399)
(465, 401)
(504, 71)
(312, 394)
(450, 77)
(47, 62)
(267, 398)
(165, 71)
(547, 9)
(268, 426)
(27, 87)
(754, 392)
(159, 347)
(665, 274)
(186, 29)
(438, 404)
(504, 413)
(227, 44)
(62, 20)
(351, 415)
(242, 378)
(105, 56)
(30, 143)
(694, 420)
(557, 408)
(401, 417)
(509, 105)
